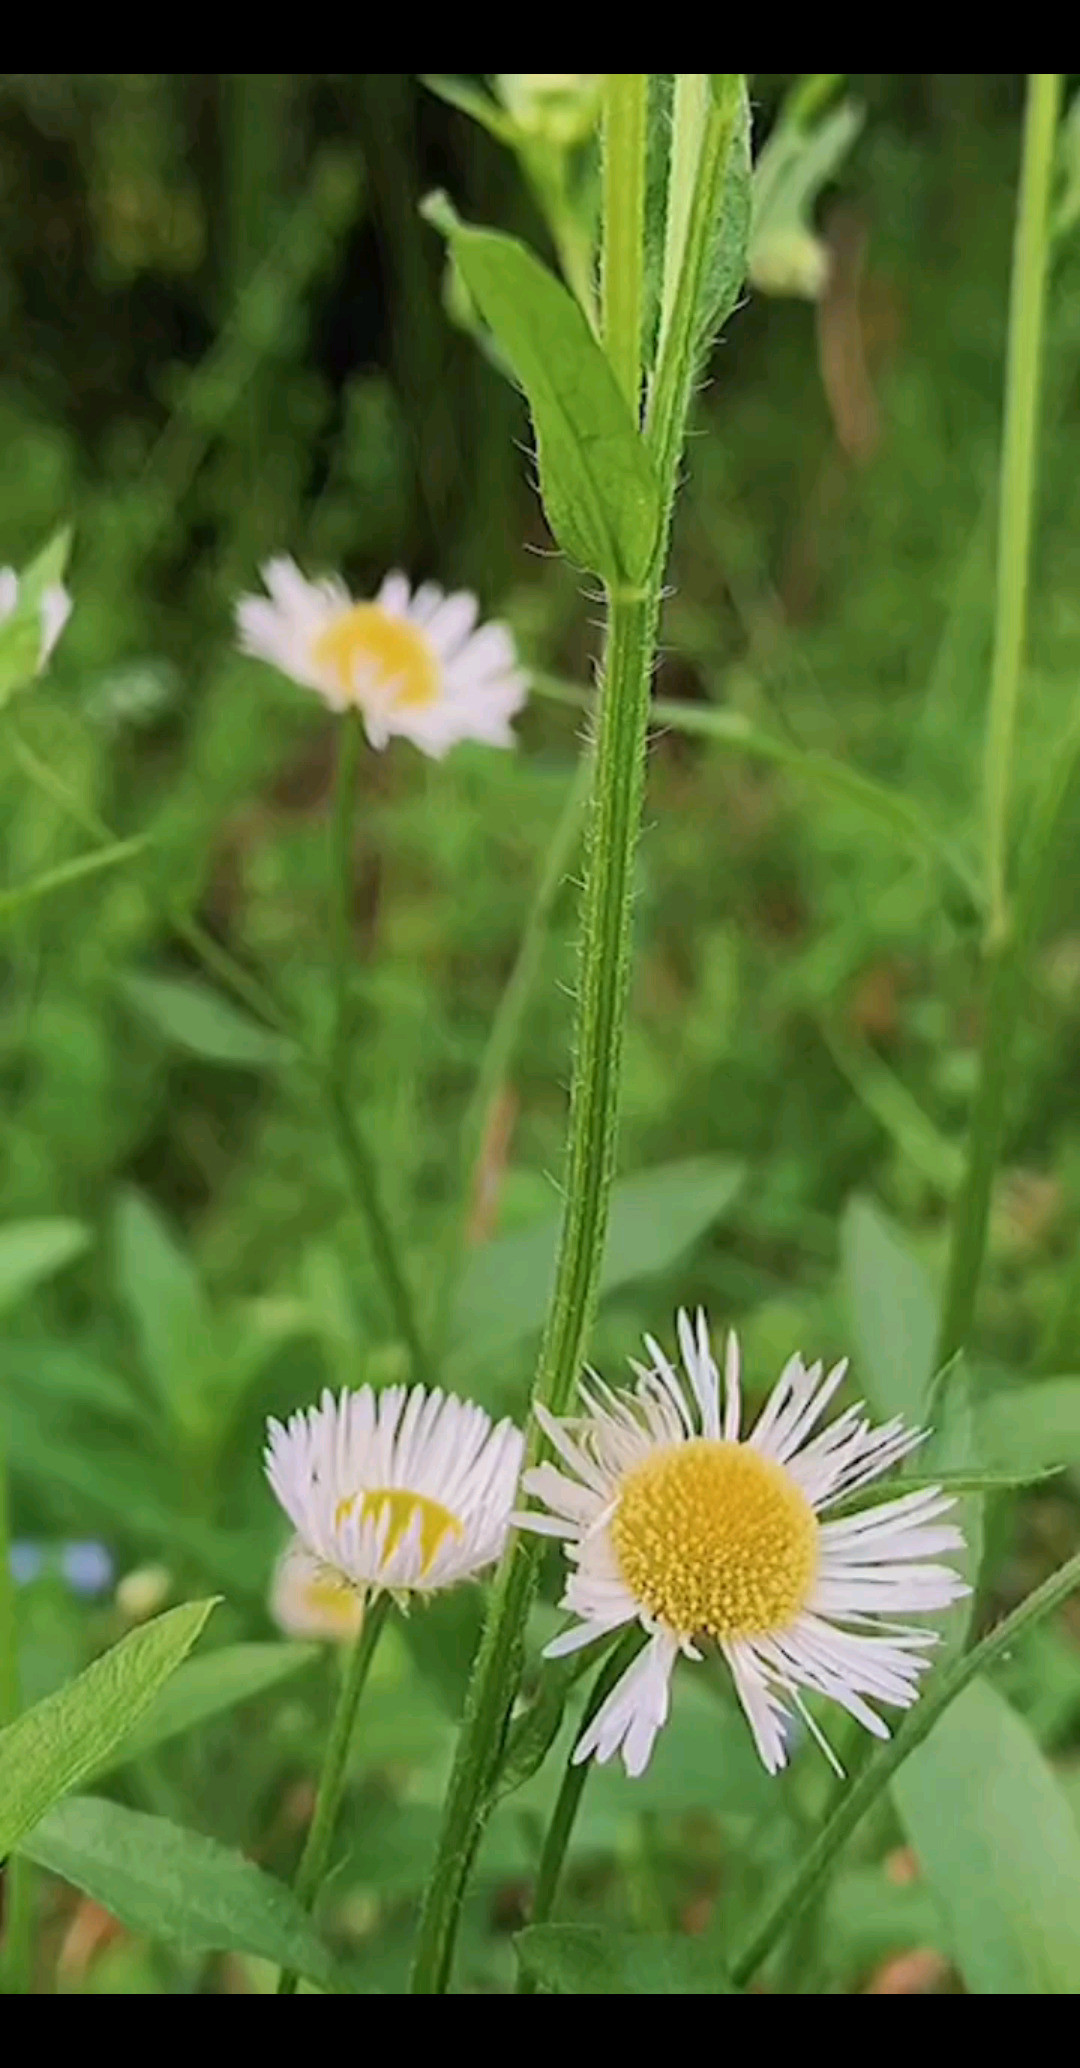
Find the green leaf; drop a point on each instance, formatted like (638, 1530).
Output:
(177, 1886)
(654, 1218)
(586, 1960)
(726, 259)
(53, 1746)
(206, 1687)
(1031, 1426)
(999, 1848)
(70, 1380)
(46, 569)
(33, 1250)
(198, 1019)
(596, 479)
(161, 1291)
(891, 1310)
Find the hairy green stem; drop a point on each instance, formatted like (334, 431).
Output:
(613, 827)
(865, 1791)
(615, 811)
(1023, 384)
(568, 1801)
(315, 1858)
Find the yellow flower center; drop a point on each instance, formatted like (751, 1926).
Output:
(374, 655)
(402, 1506)
(715, 1540)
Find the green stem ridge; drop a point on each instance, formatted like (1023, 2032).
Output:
(611, 842)
(864, 1791)
(315, 1858)
(568, 1801)
(1023, 387)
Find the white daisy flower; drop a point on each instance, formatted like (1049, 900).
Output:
(672, 1519)
(403, 1491)
(412, 664)
(309, 1599)
(55, 610)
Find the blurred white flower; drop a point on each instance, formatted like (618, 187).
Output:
(143, 1592)
(309, 1599)
(406, 1492)
(672, 1520)
(414, 665)
(561, 106)
(55, 610)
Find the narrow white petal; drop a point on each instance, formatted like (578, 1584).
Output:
(635, 1711)
(732, 1401)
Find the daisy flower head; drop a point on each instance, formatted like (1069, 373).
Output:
(672, 1518)
(398, 1491)
(311, 1600)
(413, 663)
(52, 614)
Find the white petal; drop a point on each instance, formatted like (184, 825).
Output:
(635, 1711)
(55, 612)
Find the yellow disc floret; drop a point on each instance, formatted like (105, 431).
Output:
(715, 1540)
(402, 1506)
(372, 654)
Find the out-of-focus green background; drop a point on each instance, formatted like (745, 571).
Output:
(224, 335)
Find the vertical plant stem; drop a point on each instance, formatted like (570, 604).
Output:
(613, 827)
(1008, 967)
(506, 1027)
(1023, 383)
(360, 1165)
(622, 274)
(568, 1801)
(1009, 935)
(315, 1857)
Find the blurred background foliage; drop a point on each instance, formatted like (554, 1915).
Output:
(226, 334)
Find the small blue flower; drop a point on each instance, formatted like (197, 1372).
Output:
(87, 1568)
(27, 1563)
